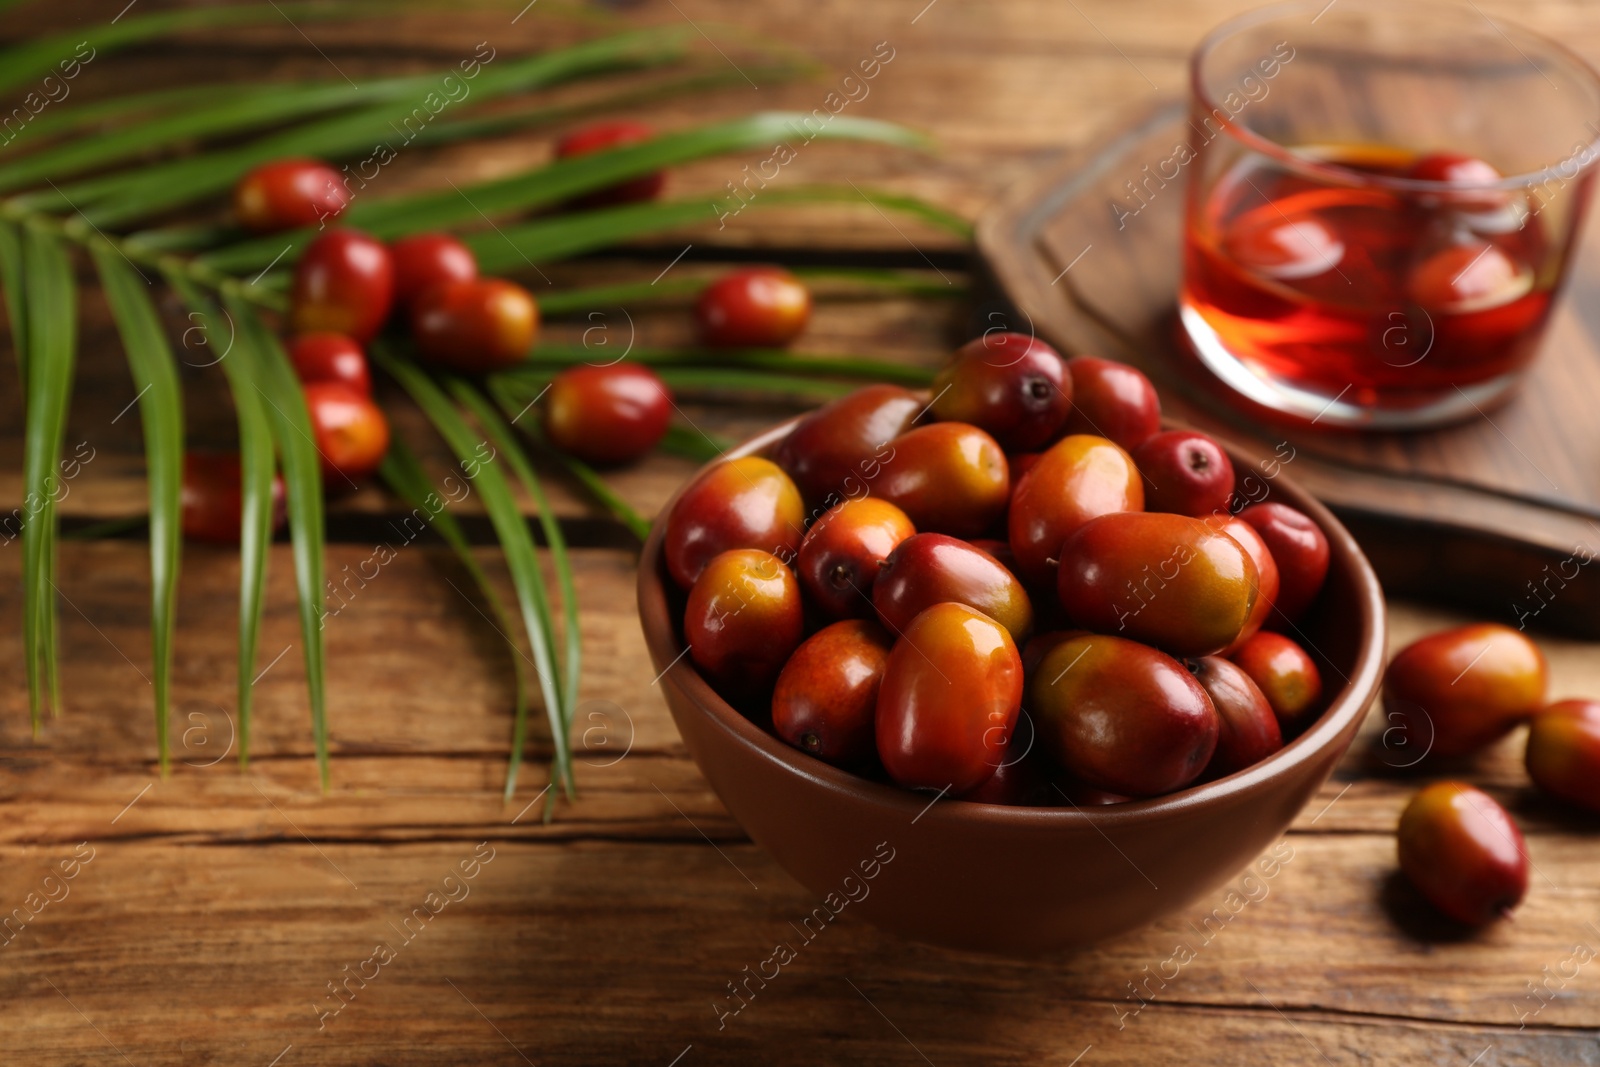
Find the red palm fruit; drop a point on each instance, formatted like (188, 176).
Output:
(607, 415)
(344, 283)
(287, 194)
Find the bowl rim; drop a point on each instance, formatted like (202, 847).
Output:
(1345, 710)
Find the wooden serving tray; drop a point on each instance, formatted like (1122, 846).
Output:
(1501, 514)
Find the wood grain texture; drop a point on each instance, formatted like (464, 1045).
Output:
(217, 906)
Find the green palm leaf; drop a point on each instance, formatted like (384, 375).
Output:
(51, 314)
(115, 199)
(505, 440)
(515, 541)
(217, 336)
(564, 179)
(404, 474)
(155, 373)
(12, 274)
(271, 374)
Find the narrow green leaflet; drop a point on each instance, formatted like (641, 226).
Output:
(512, 394)
(564, 179)
(32, 60)
(547, 240)
(692, 444)
(155, 374)
(515, 541)
(505, 440)
(404, 474)
(52, 317)
(302, 479)
(825, 283)
(214, 337)
(378, 133)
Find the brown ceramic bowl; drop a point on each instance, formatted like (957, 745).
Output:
(1014, 880)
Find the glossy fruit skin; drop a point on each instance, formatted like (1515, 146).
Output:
(600, 136)
(1463, 853)
(1122, 716)
(1114, 400)
(743, 621)
(428, 260)
(1079, 478)
(740, 503)
(949, 700)
(350, 431)
(1167, 580)
(837, 452)
(607, 415)
(932, 568)
(826, 699)
(1248, 730)
(1267, 580)
(1286, 675)
(1464, 687)
(212, 496)
(844, 550)
(1185, 472)
(1563, 756)
(1300, 549)
(344, 283)
(755, 307)
(1011, 386)
(331, 357)
(948, 477)
(287, 194)
(475, 327)
(1460, 169)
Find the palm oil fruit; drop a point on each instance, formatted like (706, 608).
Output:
(344, 283)
(330, 357)
(739, 503)
(287, 194)
(1286, 675)
(931, 568)
(212, 497)
(1247, 728)
(756, 307)
(843, 551)
(1079, 478)
(1185, 472)
(350, 432)
(1267, 580)
(428, 260)
(949, 700)
(1013, 387)
(1300, 549)
(599, 137)
(1167, 580)
(1465, 687)
(607, 415)
(743, 620)
(837, 452)
(1112, 400)
(1122, 716)
(1563, 756)
(826, 699)
(1463, 853)
(948, 477)
(475, 327)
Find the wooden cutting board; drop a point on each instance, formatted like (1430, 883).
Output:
(1500, 515)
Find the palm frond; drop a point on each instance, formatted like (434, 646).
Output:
(52, 323)
(155, 373)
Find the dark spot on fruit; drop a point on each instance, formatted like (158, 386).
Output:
(810, 742)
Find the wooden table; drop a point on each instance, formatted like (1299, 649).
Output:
(210, 912)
